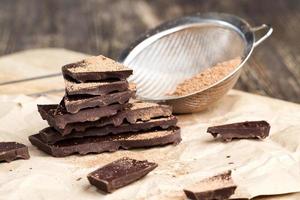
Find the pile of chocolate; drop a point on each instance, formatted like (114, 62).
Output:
(98, 113)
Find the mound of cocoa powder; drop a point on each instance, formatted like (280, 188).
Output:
(206, 78)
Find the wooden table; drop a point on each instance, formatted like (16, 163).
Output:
(106, 27)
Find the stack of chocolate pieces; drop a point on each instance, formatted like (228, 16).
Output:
(98, 113)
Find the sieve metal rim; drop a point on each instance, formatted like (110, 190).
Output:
(239, 25)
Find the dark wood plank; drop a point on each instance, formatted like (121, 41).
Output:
(107, 27)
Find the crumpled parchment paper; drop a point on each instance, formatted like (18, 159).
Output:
(267, 167)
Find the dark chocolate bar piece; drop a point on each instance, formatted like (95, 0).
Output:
(10, 151)
(120, 173)
(57, 116)
(95, 88)
(139, 111)
(243, 130)
(75, 103)
(109, 143)
(218, 187)
(51, 136)
(96, 68)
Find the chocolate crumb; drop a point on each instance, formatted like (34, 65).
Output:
(10, 170)
(206, 77)
(78, 179)
(227, 156)
(231, 163)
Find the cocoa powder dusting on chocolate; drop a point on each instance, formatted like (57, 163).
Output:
(206, 78)
(97, 64)
(149, 135)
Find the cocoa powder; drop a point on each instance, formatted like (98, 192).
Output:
(206, 78)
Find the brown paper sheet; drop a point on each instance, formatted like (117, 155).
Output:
(267, 167)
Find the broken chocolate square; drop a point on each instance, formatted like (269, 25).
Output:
(108, 143)
(243, 130)
(57, 116)
(10, 151)
(138, 111)
(95, 88)
(96, 68)
(219, 187)
(74, 104)
(51, 136)
(120, 173)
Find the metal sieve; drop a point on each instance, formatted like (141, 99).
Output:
(180, 49)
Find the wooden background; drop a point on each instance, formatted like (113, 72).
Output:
(108, 26)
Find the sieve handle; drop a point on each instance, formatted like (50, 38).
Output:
(267, 34)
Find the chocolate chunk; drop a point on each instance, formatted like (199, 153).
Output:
(96, 68)
(243, 130)
(10, 151)
(139, 111)
(107, 143)
(75, 103)
(218, 187)
(120, 173)
(51, 136)
(57, 116)
(95, 88)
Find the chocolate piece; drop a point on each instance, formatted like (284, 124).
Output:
(243, 130)
(96, 68)
(95, 88)
(120, 173)
(218, 187)
(109, 143)
(75, 103)
(10, 151)
(57, 116)
(51, 136)
(139, 111)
